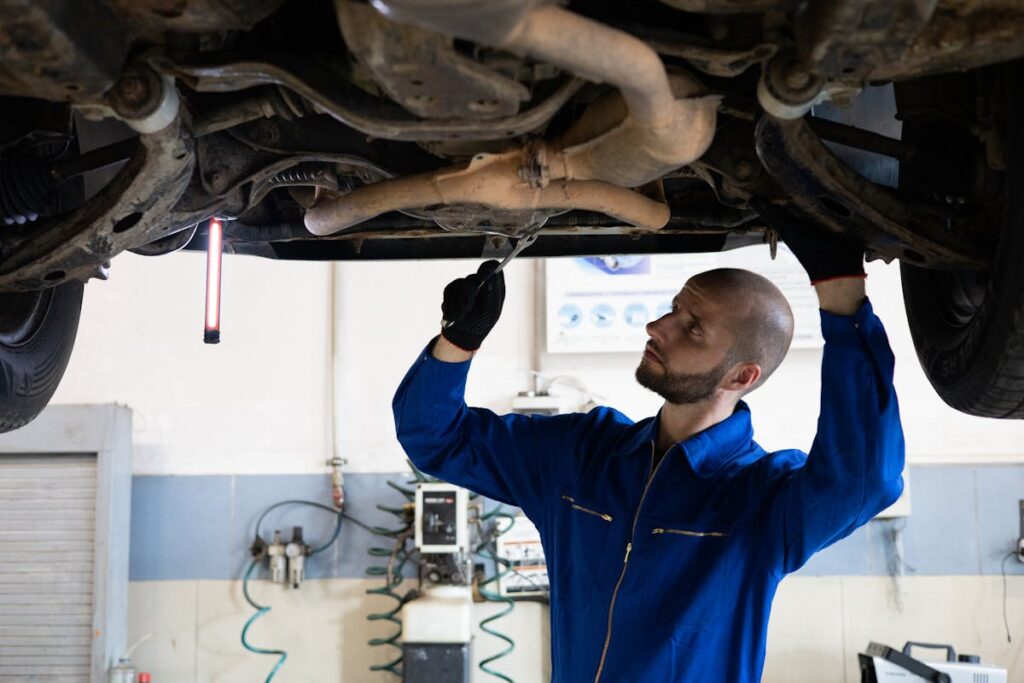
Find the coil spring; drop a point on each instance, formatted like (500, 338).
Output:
(27, 189)
(301, 174)
(488, 549)
(392, 579)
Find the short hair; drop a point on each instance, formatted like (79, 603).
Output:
(765, 331)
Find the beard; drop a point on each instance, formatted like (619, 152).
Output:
(681, 388)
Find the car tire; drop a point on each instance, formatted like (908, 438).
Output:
(37, 333)
(968, 327)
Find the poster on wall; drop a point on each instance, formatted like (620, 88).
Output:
(602, 304)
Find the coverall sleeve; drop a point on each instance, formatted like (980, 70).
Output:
(510, 458)
(855, 465)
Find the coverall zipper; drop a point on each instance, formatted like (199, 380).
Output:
(625, 561)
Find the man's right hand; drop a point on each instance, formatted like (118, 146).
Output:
(472, 306)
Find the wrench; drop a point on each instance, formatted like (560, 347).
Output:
(521, 245)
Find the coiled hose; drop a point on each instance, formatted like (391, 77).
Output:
(398, 557)
(488, 550)
(258, 559)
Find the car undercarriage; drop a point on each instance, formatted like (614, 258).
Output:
(456, 128)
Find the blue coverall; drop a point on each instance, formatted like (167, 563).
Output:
(669, 575)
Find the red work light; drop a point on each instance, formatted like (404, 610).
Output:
(213, 262)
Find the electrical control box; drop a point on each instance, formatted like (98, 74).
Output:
(441, 525)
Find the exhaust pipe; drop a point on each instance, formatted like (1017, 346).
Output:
(489, 180)
(654, 124)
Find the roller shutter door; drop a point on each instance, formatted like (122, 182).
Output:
(47, 534)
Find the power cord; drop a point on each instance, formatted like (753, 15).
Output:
(1006, 620)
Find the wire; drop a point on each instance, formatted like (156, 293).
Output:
(260, 611)
(502, 567)
(1006, 620)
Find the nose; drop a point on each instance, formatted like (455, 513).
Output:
(653, 328)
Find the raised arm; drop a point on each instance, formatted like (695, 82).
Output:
(854, 467)
(511, 458)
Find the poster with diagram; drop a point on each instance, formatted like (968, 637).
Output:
(602, 304)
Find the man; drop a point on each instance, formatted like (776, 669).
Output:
(666, 539)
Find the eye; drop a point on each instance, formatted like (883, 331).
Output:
(694, 328)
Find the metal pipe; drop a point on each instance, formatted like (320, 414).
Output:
(598, 53)
(611, 148)
(491, 181)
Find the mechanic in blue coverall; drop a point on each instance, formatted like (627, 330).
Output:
(667, 538)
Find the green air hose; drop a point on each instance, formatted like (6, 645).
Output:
(392, 573)
(488, 549)
(261, 609)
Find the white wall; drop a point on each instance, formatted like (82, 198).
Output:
(259, 401)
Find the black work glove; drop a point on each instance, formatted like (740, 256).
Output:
(824, 254)
(472, 305)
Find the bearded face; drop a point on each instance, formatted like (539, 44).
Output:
(677, 387)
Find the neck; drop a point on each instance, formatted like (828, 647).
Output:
(680, 422)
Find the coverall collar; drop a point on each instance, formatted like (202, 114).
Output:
(708, 451)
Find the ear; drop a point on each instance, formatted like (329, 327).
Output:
(743, 377)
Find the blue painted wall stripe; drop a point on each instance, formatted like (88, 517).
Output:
(964, 522)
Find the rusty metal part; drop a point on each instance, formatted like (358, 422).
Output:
(650, 126)
(136, 208)
(787, 88)
(730, 6)
(275, 102)
(422, 71)
(153, 18)
(848, 39)
(826, 189)
(323, 91)
(488, 21)
(167, 245)
(233, 178)
(137, 93)
(480, 218)
(658, 131)
(491, 181)
(144, 99)
(962, 35)
(63, 50)
(715, 61)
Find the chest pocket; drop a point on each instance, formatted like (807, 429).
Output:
(587, 544)
(695, 570)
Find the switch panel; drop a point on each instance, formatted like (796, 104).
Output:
(441, 518)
